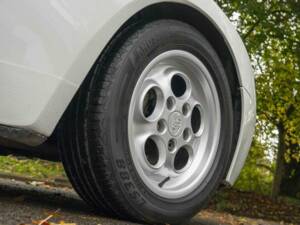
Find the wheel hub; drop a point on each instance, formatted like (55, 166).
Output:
(175, 123)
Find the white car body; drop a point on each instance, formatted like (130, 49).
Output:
(48, 47)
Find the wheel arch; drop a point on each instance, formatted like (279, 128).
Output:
(192, 16)
(200, 21)
(227, 43)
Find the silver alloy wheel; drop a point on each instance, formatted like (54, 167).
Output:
(174, 124)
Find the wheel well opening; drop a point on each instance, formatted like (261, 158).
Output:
(193, 17)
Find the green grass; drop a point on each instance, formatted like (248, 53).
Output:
(34, 168)
(292, 201)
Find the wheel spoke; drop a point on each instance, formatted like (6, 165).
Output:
(145, 128)
(162, 75)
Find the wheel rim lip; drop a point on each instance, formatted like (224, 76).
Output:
(197, 173)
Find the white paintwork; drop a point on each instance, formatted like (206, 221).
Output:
(246, 133)
(47, 48)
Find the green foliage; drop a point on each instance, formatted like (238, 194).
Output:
(271, 32)
(257, 174)
(35, 168)
(291, 201)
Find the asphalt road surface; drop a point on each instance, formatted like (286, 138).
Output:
(25, 203)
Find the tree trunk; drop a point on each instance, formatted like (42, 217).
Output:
(290, 185)
(279, 171)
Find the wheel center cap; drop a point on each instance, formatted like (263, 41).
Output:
(175, 123)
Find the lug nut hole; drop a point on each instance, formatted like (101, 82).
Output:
(186, 108)
(161, 126)
(171, 103)
(171, 145)
(187, 134)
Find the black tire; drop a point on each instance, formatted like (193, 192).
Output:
(93, 139)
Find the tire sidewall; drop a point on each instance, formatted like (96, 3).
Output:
(176, 36)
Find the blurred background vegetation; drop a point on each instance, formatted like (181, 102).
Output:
(271, 31)
(31, 168)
